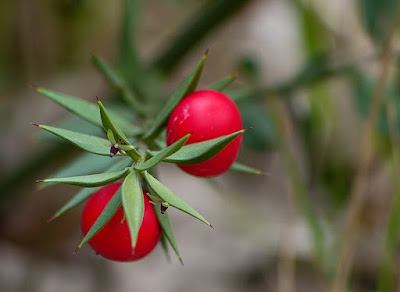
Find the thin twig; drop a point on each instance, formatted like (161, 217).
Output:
(386, 281)
(298, 188)
(357, 194)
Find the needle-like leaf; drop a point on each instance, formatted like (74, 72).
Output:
(105, 216)
(201, 151)
(89, 143)
(133, 204)
(162, 154)
(171, 198)
(86, 110)
(188, 86)
(92, 180)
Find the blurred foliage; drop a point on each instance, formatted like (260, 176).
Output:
(376, 16)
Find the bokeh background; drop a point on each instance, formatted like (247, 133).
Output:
(319, 84)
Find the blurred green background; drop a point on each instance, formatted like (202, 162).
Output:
(319, 85)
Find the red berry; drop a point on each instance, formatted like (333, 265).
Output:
(206, 114)
(113, 241)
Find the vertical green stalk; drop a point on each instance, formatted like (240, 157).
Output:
(358, 190)
(299, 190)
(386, 280)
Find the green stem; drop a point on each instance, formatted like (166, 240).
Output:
(134, 154)
(299, 190)
(386, 280)
(359, 186)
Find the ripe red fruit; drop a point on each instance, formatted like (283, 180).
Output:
(206, 114)
(113, 241)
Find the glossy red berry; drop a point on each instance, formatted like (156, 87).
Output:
(206, 114)
(113, 240)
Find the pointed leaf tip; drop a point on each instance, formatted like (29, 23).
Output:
(40, 180)
(206, 53)
(180, 260)
(34, 86)
(34, 124)
(98, 99)
(52, 218)
(76, 250)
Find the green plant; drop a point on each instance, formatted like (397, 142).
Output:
(136, 162)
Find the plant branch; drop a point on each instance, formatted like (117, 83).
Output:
(386, 280)
(299, 190)
(358, 190)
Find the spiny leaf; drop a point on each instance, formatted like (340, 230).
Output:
(133, 204)
(72, 123)
(164, 245)
(92, 180)
(166, 227)
(171, 198)
(86, 110)
(108, 212)
(201, 151)
(76, 200)
(89, 143)
(221, 84)
(85, 164)
(240, 167)
(85, 193)
(109, 124)
(162, 154)
(188, 86)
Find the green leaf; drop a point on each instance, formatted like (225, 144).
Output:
(377, 16)
(201, 151)
(105, 216)
(118, 83)
(188, 86)
(76, 200)
(86, 110)
(133, 204)
(164, 245)
(89, 143)
(87, 163)
(166, 227)
(109, 124)
(92, 180)
(171, 198)
(85, 193)
(221, 84)
(72, 122)
(162, 154)
(240, 167)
